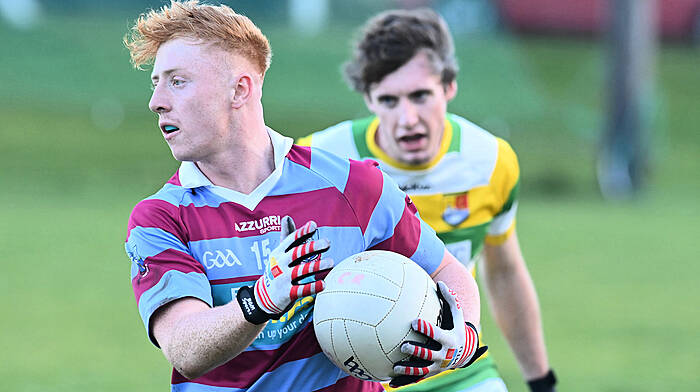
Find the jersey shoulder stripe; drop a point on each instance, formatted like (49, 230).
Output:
(345, 139)
(300, 154)
(359, 182)
(364, 189)
(506, 177)
(178, 195)
(384, 214)
(504, 172)
(359, 133)
(157, 214)
(478, 151)
(331, 167)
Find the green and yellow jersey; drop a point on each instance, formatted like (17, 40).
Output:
(467, 193)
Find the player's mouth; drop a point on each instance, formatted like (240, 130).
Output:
(413, 142)
(168, 130)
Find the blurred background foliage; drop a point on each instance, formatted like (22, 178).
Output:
(78, 148)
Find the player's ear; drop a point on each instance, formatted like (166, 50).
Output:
(451, 90)
(242, 91)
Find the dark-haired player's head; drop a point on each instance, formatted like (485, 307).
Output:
(392, 38)
(404, 65)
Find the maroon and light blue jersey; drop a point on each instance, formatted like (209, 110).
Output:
(195, 239)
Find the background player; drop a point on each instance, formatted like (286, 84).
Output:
(463, 180)
(223, 279)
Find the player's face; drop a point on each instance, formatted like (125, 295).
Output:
(191, 96)
(411, 104)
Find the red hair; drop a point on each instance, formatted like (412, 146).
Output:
(218, 25)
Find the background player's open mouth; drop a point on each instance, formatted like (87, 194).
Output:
(411, 138)
(413, 142)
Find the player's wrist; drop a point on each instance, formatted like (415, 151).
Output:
(471, 343)
(473, 333)
(545, 383)
(250, 307)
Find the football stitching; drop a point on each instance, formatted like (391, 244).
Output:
(361, 293)
(408, 332)
(391, 309)
(354, 353)
(393, 305)
(335, 353)
(391, 363)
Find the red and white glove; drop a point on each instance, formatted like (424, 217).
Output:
(291, 272)
(455, 344)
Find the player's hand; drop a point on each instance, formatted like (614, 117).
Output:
(453, 345)
(291, 272)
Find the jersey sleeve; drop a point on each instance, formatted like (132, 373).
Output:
(505, 182)
(162, 266)
(388, 218)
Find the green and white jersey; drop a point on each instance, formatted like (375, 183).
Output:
(467, 193)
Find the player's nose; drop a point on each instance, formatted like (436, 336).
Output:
(159, 102)
(408, 114)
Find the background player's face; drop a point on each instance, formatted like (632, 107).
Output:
(192, 94)
(411, 104)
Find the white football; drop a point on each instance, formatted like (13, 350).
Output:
(365, 312)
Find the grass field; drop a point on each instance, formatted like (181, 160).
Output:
(617, 280)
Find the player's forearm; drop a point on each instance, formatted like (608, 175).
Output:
(461, 281)
(202, 341)
(516, 310)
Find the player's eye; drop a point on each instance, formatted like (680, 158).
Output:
(387, 101)
(177, 82)
(419, 96)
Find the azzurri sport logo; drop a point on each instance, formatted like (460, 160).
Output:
(355, 369)
(262, 225)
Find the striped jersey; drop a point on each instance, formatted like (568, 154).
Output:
(467, 193)
(195, 239)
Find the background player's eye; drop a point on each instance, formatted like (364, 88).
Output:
(419, 96)
(387, 101)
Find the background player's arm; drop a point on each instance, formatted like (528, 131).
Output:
(514, 305)
(458, 278)
(196, 338)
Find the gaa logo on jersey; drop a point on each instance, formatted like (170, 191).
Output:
(456, 208)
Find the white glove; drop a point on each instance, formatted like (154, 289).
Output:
(453, 346)
(293, 260)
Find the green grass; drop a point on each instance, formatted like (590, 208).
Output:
(617, 293)
(617, 280)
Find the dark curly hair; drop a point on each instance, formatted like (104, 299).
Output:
(390, 39)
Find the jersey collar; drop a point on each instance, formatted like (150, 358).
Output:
(380, 154)
(191, 177)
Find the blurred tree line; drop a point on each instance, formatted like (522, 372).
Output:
(353, 11)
